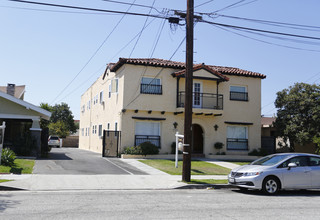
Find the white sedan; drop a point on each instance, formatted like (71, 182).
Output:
(278, 171)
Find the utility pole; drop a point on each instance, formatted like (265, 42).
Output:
(186, 169)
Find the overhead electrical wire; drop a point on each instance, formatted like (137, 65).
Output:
(260, 30)
(139, 5)
(107, 62)
(267, 22)
(145, 22)
(88, 9)
(204, 3)
(263, 41)
(93, 55)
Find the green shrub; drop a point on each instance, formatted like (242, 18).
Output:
(218, 145)
(7, 157)
(132, 150)
(147, 148)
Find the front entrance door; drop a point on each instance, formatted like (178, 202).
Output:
(197, 139)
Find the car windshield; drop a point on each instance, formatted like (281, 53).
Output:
(54, 138)
(270, 160)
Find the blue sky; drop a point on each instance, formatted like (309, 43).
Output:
(45, 48)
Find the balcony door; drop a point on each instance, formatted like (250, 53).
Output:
(197, 99)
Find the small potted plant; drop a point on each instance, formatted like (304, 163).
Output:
(218, 146)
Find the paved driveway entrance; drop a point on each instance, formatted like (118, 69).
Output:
(77, 161)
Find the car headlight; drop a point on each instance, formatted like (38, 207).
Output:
(252, 174)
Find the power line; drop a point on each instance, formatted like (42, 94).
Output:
(263, 41)
(56, 11)
(88, 9)
(260, 30)
(229, 6)
(266, 22)
(93, 55)
(145, 22)
(139, 5)
(204, 3)
(107, 62)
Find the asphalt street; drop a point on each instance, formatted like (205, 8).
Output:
(159, 204)
(82, 162)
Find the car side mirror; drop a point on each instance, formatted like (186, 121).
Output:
(291, 165)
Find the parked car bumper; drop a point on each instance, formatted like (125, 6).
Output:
(250, 182)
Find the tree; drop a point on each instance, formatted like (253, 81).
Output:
(298, 114)
(61, 112)
(58, 128)
(61, 122)
(43, 122)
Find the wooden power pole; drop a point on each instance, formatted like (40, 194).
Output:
(186, 169)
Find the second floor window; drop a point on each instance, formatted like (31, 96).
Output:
(151, 86)
(238, 93)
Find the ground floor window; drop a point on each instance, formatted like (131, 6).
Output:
(237, 138)
(147, 131)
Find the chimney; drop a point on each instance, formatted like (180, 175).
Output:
(11, 89)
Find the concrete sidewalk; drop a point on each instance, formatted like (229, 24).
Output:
(155, 180)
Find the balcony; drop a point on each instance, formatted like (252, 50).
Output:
(237, 144)
(139, 139)
(151, 89)
(202, 100)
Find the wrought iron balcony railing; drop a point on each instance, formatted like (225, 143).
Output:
(202, 100)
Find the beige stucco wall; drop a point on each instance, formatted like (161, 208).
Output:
(100, 114)
(130, 99)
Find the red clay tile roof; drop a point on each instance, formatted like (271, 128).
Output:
(202, 66)
(180, 65)
(267, 121)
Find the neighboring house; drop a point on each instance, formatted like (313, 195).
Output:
(144, 100)
(20, 117)
(269, 139)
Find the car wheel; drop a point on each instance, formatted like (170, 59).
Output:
(271, 185)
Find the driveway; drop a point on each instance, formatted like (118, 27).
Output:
(82, 162)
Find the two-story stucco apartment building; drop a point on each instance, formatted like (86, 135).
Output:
(144, 100)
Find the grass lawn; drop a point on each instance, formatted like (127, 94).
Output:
(208, 181)
(2, 181)
(197, 167)
(21, 166)
(241, 163)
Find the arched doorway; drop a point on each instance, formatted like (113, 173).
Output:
(197, 139)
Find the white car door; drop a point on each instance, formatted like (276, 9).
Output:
(297, 177)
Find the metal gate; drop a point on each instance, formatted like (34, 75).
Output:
(110, 143)
(268, 144)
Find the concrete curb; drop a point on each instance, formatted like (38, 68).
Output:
(207, 186)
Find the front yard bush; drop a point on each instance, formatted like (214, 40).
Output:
(7, 157)
(132, 150)
(147, 148)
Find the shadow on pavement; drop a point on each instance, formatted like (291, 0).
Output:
(56, 156)
(282, 193)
